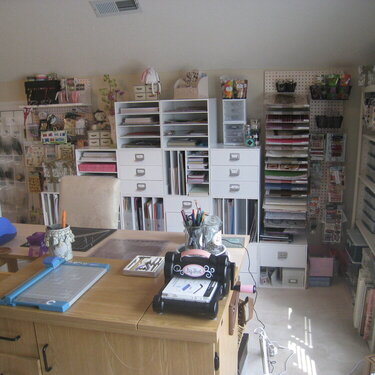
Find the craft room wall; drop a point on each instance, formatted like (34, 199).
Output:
(14, 92)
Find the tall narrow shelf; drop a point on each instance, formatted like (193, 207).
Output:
(363, 214)
(286, 165)
(364, 202)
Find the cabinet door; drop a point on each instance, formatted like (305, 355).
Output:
(227, 345)
(16, 365)
(18, 337)
(85, 352)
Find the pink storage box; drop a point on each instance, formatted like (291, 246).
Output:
(321, 266)
(97, 167)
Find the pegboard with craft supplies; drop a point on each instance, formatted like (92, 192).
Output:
(327, 92)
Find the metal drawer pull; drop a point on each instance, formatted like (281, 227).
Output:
(234, 156)
(282, 255)
(141, 187)
(234, 172)
(234, 188)
(10, 338)
(139, 157)
(140, 172)
(44, 351)
(187, 204)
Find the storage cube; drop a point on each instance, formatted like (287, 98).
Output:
(321, 266)
(319, 281)
(293, 277)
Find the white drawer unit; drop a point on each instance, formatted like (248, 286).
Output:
(139, 157)
(288, 255)
(142, 188)
(235, 173)
(238, 189)
(177, 204)
(293, 277)
(235, 156)
(140, 173)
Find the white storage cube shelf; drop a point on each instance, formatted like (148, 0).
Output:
(184, 167)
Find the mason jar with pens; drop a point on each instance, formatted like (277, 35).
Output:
(203, 232)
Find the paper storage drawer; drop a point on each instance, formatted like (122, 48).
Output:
(139, 89)
(149, 188)
(176, 204)
(105, 142)
(94, 142)
(140, 96)
(280, 255)
(369, 197)
(235, 157)
(105, 134)
(293, 277)
(238, 189)
(139, 157)
(140, 173)
(93, 134)
(234, 127)
(240, 173)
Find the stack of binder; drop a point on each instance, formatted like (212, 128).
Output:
(286, 166)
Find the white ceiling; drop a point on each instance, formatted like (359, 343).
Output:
(65, 36)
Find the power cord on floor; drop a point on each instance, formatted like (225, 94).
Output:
(252, 276)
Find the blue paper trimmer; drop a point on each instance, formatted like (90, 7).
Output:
(56, 287)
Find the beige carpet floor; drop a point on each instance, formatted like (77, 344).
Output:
(316, 322)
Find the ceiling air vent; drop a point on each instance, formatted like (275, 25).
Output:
(113, 8)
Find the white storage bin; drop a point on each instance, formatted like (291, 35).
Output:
(105, 134)
(139, 157)
(293, 277)
(139, 89)
(140, 173)
(140, 96)
(235, 156)
(235, 173)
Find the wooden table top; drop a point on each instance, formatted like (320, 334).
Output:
(116, 303)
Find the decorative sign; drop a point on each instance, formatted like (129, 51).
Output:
(54, 137)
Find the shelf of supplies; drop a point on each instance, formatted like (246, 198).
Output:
(96, 172)
(138, 125)
(367, 235)
(96, 160)
(138, 113)
(183, 112)
(368, 183)
(139, 136)
(56, 105)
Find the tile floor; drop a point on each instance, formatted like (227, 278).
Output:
(316, 322)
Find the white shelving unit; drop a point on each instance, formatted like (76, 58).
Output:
(187, 168)
(137, 124)
(234, 119)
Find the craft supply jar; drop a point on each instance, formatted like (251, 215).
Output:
(213, 234)
(194, 237)
(59, 241)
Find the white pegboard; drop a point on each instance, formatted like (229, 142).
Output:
(304, 80)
